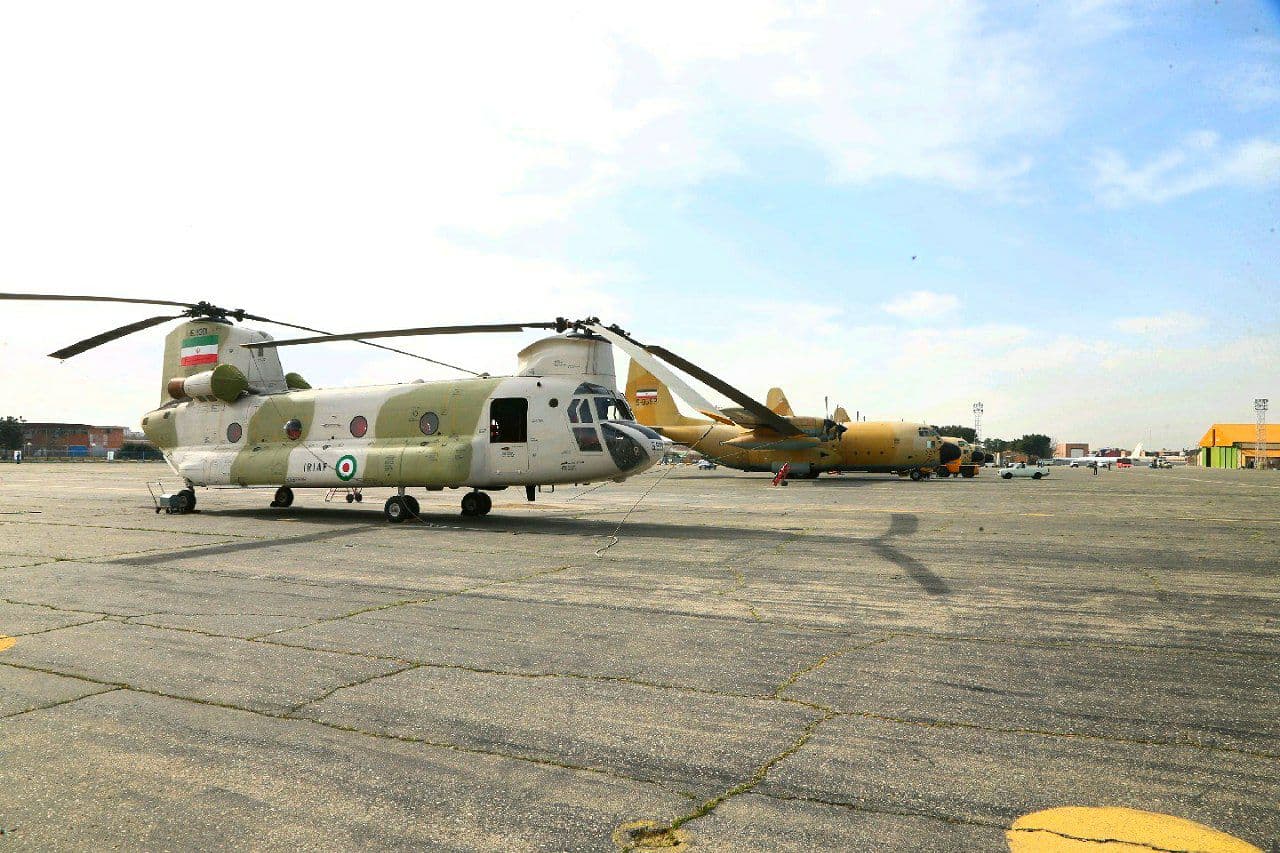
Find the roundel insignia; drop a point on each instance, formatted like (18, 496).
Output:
(346, 468)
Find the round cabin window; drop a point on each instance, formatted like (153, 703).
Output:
(293, 429)
(553, 402)
(359, 426)
(429, 423)
(234, 433)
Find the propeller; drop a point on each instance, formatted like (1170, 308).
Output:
(206, 310)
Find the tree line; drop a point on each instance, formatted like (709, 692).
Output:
(11, 433)
(1032, 444)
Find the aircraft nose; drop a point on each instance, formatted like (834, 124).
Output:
(632, 446)
(949, 452)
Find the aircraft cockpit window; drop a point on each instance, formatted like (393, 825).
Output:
(580, 411)
(926, 432)
(589, 388)
(612, 409)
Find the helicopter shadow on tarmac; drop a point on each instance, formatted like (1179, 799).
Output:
(344, 521)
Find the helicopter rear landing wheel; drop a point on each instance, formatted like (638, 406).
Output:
(476, 503)
(284, 497)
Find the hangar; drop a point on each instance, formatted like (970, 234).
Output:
(1236, 446)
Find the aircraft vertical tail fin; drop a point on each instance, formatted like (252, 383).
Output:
(777, 401)
(840, 416)
(651, 400)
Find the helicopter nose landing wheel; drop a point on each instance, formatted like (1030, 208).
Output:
(476, 503)
(284, 497)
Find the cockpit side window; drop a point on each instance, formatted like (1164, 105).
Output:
(612, 409)
(580, 411)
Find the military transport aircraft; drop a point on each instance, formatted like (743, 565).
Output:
(229, 415)
(764, 437)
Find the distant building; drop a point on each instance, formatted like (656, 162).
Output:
(1070, 450)
(57, 439)
(1235, 446)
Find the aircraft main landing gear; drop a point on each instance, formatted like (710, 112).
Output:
(283, 498)
(915, 474)
(476, 503)
(400, 507)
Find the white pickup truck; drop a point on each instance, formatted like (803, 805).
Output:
(1022, 469)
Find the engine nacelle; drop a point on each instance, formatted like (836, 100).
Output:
(225, 382)
(570, 355)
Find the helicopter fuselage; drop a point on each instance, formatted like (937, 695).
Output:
(484, 433)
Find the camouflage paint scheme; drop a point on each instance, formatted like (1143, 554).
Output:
(378, 432)
(874, 446)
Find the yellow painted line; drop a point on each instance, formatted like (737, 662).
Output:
(1079, 829)
(1039, 514)
(7, 642)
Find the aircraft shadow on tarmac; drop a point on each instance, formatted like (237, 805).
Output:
(347, 520)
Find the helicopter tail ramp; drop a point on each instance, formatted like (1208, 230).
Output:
(651, 400)
(200, 345)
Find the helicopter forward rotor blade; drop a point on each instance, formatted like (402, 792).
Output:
(766, 415)
(61, 297)
(559, 325)
(107, 337)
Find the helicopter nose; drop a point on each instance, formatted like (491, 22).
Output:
(632, 446)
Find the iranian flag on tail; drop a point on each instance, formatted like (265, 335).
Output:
(202, 349)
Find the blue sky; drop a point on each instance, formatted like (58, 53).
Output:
(1067, 213)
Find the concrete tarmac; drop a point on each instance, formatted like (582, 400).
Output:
(856, 663)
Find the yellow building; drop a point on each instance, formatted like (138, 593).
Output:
(1235, 446)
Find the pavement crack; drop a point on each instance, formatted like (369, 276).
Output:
(405, 602)
(823, 661)
(357, 683)
(49, 705)
(761, 772)
(58, 627)
(1087, 840)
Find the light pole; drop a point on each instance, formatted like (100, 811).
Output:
(1260, 440)
(977, 423)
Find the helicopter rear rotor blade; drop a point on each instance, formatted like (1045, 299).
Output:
(106, 337)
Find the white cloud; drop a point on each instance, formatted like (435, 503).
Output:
(1253, 86)
(923, 305)
(1170, 323)
(1199, 162)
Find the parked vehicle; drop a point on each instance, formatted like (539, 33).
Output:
(706, 465)
(1023, 469)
